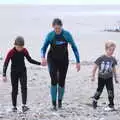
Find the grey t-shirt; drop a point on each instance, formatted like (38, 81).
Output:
(106, 65)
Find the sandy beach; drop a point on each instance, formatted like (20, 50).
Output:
(87, 27)
(77, 100)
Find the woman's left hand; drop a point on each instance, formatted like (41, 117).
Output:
(78, 67)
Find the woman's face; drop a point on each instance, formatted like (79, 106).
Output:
(57, 29)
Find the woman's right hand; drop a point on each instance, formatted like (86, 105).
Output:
(4, 79)
(92, 78)
(78, 67)
(44, 62)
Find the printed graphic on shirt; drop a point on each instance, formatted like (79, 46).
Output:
(106, 67)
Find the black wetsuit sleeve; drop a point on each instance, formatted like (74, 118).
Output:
(28, 57)
(5, 66)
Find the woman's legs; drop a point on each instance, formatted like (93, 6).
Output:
(62, 76)
(57, 70)
(53, 75)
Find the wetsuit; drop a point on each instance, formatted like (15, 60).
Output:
(58, 60)
(18, 72)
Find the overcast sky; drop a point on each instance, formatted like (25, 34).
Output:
(60, 2)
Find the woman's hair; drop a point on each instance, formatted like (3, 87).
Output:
(19, 41)
(109, 44)
(57, 21)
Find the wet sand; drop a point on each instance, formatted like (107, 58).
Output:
(77, 99)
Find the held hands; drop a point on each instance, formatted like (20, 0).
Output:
(44, 62)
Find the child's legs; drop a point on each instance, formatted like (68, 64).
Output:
(110, 90)
(23, 82)
(101, 84)
(14, 82)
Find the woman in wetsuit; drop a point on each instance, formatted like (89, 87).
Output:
(57, 59)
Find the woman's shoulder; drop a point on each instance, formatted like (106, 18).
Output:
(66, 32)
(67, 35)
(51, 33)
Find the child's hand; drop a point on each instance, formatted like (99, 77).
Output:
(4, 79)
(116, 81)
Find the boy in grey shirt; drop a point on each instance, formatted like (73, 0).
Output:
(106, 65)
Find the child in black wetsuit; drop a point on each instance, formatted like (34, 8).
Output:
(18, 71)
(107, 70)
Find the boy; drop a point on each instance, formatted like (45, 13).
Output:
(107, 69)
(18, 71)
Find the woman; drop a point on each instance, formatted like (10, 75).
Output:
(57, 59)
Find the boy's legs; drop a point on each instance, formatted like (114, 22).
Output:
(110, 90)
(23, 82)
(14, 82)
(101, 84)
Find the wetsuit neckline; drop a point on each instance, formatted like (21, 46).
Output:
(18, 51)
(60, 33)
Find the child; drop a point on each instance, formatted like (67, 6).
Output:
(107, 69)
(18, 71)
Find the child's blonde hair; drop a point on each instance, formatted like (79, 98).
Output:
(109, 44)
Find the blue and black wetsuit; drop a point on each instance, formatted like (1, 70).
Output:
(58, 60)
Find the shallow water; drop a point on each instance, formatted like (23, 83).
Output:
(34, 22)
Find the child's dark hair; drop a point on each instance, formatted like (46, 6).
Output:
(57, 21)
(19, 41)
